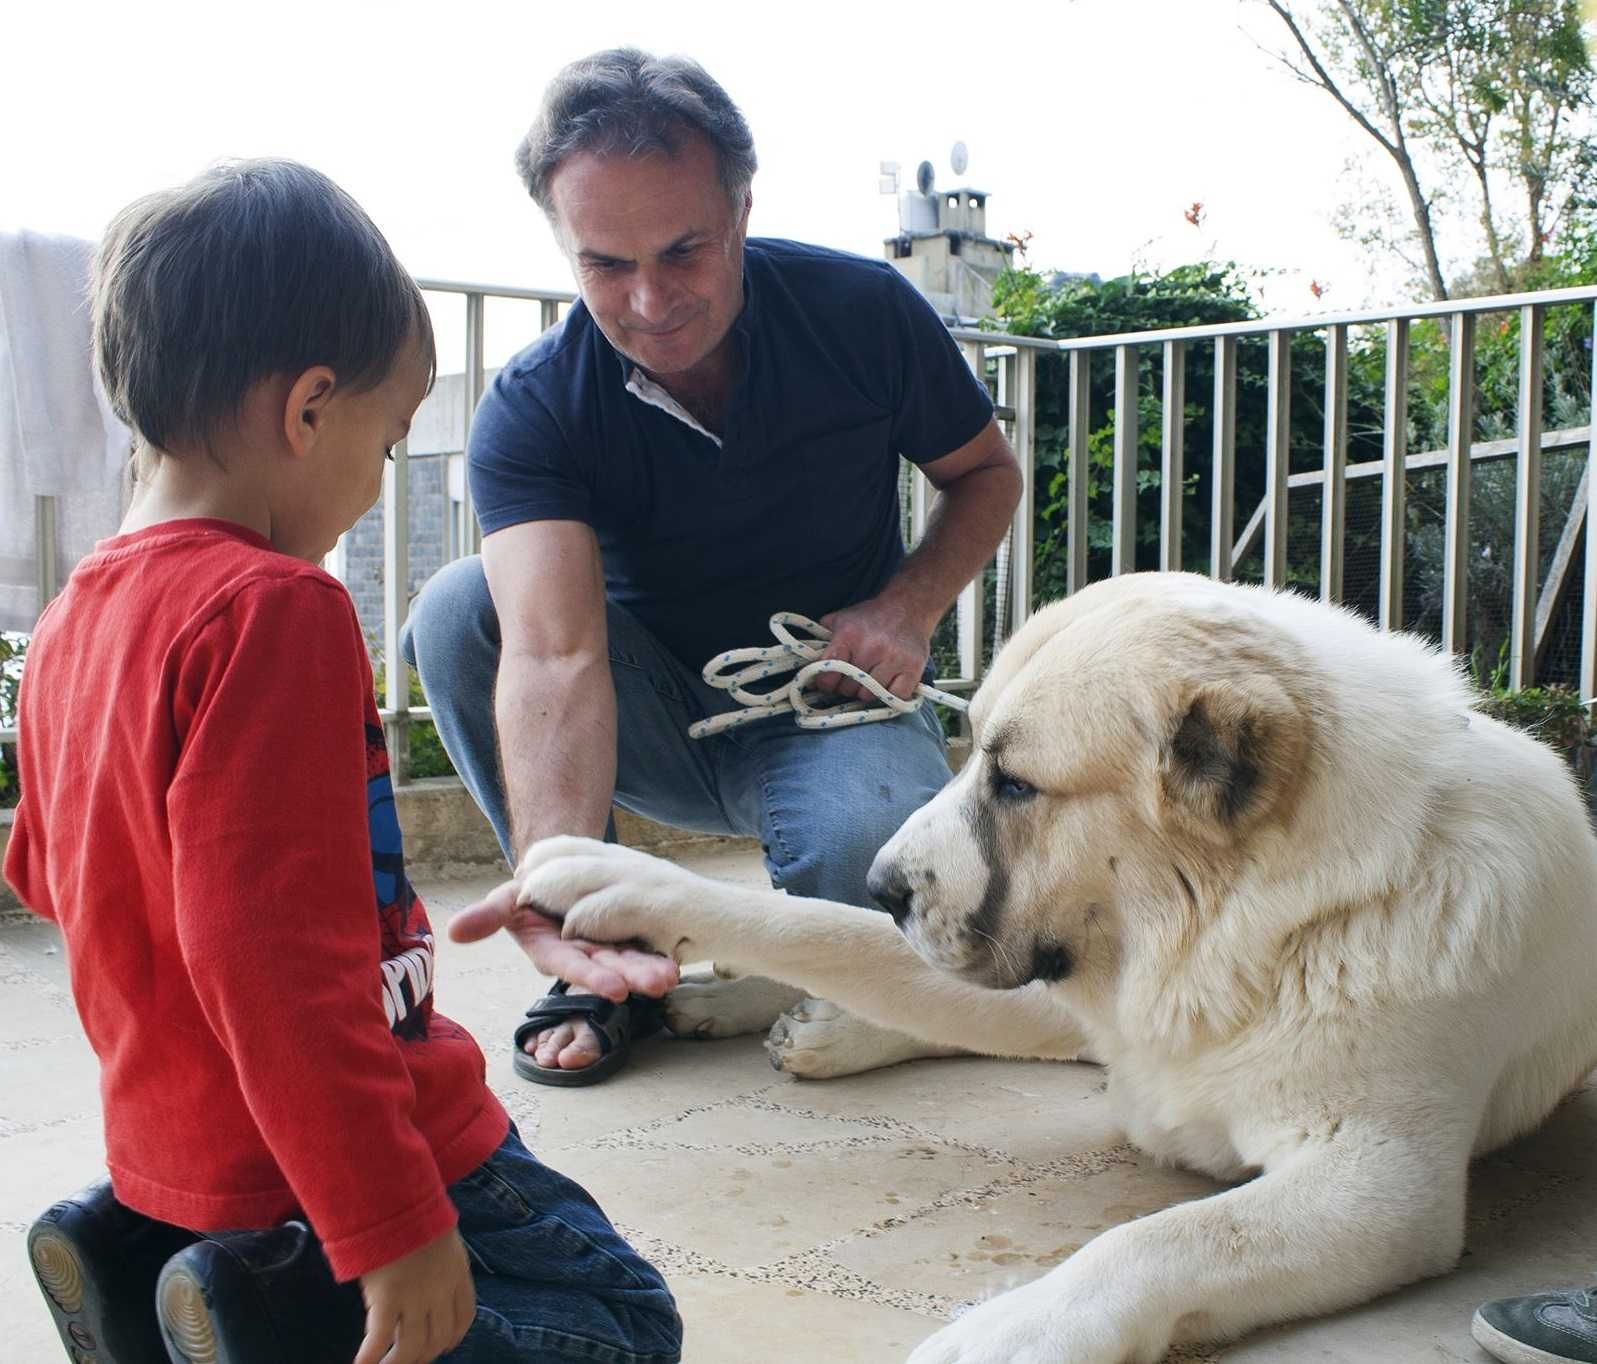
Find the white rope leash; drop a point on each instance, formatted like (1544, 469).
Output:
(814, 708)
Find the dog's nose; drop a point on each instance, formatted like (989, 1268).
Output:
(890, 889)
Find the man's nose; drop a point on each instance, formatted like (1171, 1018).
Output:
(891, 890)
(651, 299)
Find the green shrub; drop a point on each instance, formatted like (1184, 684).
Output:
(427, 756)
(13, 649)
(1554, 715)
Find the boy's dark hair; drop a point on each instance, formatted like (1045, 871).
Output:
(628, 102)
(252, 269)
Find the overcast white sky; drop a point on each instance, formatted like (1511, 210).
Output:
(1092, 123)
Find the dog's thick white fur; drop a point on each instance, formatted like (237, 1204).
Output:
(1331, 931)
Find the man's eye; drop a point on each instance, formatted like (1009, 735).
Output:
(1006, 787)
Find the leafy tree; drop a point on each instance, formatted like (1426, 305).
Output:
(1499, 88)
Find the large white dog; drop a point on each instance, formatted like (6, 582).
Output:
(1330, 929)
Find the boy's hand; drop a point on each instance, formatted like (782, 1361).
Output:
(600, 968)
(418, 1307)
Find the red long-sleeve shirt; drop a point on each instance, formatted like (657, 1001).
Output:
(206, 811)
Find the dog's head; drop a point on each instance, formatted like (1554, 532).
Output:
(1130, 746)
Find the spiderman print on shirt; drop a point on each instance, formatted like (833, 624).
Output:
(407, 939)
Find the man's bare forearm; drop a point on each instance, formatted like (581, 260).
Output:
(966, 524)
(557, 743)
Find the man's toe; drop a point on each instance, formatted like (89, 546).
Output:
(582, 1051)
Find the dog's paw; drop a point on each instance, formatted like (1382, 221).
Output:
(1029, 1325)
(714, 1006)
(816, 1040)
(607, 893)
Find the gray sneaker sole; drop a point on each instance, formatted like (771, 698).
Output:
(1509, 1350)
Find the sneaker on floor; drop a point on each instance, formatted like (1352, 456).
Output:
(1542, 1328)
(257, 1297)
(96, 1263)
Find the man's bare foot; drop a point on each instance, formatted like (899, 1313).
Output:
(569, 1046)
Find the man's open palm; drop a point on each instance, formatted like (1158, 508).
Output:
(599, 968)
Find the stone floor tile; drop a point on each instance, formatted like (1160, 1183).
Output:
(966, 1253)
(1035, 1110)
(664, 1078)
(745, 1210)
(732, 1321)
(768, 1128)
(33, 1007)
(55, 1079)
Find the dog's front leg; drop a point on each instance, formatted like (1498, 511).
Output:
(1337, 1222)
(853, 957)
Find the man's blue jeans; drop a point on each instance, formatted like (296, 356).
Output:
(821, 802)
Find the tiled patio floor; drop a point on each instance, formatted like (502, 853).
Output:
(830, 1222)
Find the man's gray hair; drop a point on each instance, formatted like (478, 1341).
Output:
(627, 102)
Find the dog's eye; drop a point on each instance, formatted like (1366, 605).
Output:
(1006, 787)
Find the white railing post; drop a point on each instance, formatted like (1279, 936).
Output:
(1278, 452)
(1222, 528)
(1333, 496)
(1076, 510)
(973, 597)
(1123, 541)
(1460, 435)
(1588, 623)
(396, 591)
(47, 550)
(470, 536)
(1017, 387)
(1172, 455)
(1527, 502)
(1394, 476)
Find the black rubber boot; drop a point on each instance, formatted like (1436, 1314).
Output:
(258, 1297)
(96, 1263)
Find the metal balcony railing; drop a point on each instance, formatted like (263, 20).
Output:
(1013, 361)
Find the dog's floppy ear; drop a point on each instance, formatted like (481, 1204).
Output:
(1231, 749)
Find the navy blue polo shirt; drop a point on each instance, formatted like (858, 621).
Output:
(846, 368)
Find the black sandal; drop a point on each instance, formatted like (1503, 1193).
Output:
(616, 1026)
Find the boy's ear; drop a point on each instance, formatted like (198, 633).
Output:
(306, 407)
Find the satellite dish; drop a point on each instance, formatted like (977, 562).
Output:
(924, 176)
(959, 158)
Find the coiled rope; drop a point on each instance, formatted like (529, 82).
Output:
(737, 669)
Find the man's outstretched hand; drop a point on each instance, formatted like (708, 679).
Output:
(599, 968)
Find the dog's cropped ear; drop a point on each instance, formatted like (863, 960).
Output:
(1232, 750)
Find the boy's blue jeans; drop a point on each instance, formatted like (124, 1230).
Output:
(555, 1282)
(821, 802)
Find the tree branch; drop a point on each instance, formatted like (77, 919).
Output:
(1322, 77)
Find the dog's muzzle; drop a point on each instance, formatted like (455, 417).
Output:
(891, 890)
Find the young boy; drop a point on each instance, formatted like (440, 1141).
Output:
(206, 812)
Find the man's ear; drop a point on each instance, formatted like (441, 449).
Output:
(305, 408)
(1232, 750)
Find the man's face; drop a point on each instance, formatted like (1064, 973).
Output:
(657, 250)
